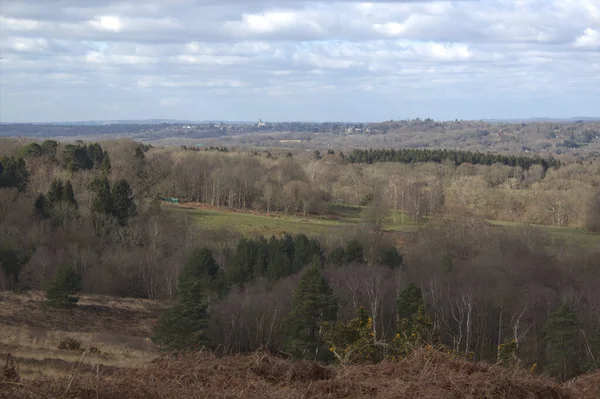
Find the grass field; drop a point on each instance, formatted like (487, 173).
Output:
(340, 217)
(251, 223)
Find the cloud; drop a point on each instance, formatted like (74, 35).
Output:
(295, 59)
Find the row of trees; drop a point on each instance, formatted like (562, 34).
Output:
(457, 157)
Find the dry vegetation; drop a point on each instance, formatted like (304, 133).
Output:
(116, 328)
(424, 374)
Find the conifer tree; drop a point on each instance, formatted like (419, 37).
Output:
(123, 206)
(62, 289)
(102, 201)
(55, 194)
(313, 303)
(42, 206)
(68, 196)
(182, 326)
(561, 333)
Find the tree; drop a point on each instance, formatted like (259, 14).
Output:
(375, 214)
(68, 196)
(62, 289)
(13, 173)
(313, 303)
(409, 302)
(182, 326)
(123, 206)
(102, 202)
(42, 207)
(55, 194)
(561, 332)
(10, 263)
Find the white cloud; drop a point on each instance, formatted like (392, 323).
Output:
(589, 39)
(242, 58)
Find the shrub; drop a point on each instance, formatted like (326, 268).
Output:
(61, 290)
(69, 344)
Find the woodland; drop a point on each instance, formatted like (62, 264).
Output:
(483, 276)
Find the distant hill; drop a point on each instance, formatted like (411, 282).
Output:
(134, 122)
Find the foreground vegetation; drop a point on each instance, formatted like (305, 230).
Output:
(423, 374)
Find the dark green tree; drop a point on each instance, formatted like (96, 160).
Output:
(49, 148)
(62, 289)
(105, 165)
(11, 264)
(313, 303)
(182, 326)
(42, 207)
(409, 302)
(102, 201)
(32, 150)
(123, 206)
(68, 196)
(55, 194)
(13, 173)
(561, 336)
(354, 252)
(75, 157)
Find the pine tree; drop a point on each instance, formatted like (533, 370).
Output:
(63, 287)
(105, 165)
(182, 326)
(42, 207)
(409, 302)
(68, 196)
(123, 206)
(313, 303)
(102, 201)
(561, 333)
(55, 194)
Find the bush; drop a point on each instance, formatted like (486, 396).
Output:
(61, 290)
(69, 344)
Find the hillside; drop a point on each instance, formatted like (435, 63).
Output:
(117, 360)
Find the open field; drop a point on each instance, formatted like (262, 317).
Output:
(340, 217)
(260, 223)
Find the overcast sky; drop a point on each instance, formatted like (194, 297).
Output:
(76, 60)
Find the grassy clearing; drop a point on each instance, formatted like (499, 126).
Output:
(340, 217)
(567, 235)
(245, 223)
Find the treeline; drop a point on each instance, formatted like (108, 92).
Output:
(439, 156)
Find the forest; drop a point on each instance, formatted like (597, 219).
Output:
(483, 276)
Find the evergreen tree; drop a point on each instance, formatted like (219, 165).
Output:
(68, 196)
(42, 207)
(102, 201)
(561, 333)
(105, 165)
(13, 173)
(55, 194)
(11, 263)
(182, 326)
(409, 302)
(49, 148)
(313, 303)
(354, 252)
(123, 206)
(63, 287)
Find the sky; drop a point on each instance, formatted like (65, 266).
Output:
(296, 60)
